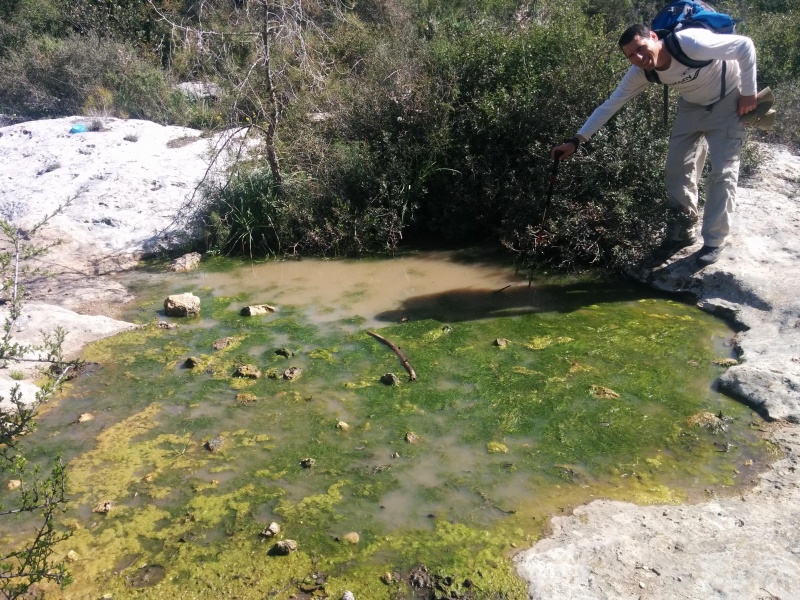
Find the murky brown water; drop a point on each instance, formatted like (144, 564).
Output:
(445, 286)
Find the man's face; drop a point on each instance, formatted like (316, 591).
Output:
(642, 51)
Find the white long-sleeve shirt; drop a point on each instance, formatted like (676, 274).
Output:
(699, 86)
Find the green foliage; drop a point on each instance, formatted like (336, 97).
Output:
(247, 216)
(54, 77)
(40, 495)
(397, 121)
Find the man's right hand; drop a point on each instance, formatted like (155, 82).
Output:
(564, 150)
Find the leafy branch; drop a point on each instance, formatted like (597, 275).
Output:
(42, 495)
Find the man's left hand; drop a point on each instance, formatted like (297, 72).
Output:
(747, 104)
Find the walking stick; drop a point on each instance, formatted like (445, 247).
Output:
(548, 201)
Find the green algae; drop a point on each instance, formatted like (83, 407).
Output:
(503, 439)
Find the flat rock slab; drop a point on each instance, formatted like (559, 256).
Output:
(732, 548)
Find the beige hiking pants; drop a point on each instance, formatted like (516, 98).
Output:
(719, 133)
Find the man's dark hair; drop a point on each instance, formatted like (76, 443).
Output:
(631, 32)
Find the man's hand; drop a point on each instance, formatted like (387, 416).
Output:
(747, 104)
(563, 150)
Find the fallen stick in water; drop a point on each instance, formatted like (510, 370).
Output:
(411, 374)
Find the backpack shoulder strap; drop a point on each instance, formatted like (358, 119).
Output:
(652, 76)
(674, 48)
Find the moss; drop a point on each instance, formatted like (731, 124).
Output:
(504, 439)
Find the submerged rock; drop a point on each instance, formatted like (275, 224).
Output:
(603, 393)
(343, 426)
(182, 305)
(14, 484)
(707, 420)
(726, 362)
(222, 343)
(307, 463)
(496, 448)
(85, 417)
(104, 507)
(411, 437)
(351, 538)
(501, 342)
(285, 352)
(246, 398)
(147, 576)
(191, 362)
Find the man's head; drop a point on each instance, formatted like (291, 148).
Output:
(641, 46)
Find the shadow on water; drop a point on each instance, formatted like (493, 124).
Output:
(469, 304)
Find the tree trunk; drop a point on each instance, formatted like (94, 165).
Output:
(273, 112)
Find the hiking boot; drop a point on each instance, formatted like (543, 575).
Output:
(708, 255)
(669, 247)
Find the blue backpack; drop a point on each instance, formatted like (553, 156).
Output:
(687, 13)
(684, 14)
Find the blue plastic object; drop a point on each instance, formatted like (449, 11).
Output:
(79, 128)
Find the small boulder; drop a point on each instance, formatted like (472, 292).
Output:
(501, 342)
(343, 426)
(14, 484)
(257, 310)
(411, 437)
(71, 556)
(284, 547)
(271, 530)
(84, 417)
(182, 305)
(351, 538)
(187, 262)
(390, 379)
(191, 362)
(214, 444)
(285, 352)
(292, 373)
(307, 463)
(248, 372)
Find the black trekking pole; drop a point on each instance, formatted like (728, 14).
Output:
(548, 201)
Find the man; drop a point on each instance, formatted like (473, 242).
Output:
(712, 99)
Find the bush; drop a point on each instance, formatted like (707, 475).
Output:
(49, 77)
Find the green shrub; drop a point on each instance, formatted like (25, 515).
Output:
(247, 216)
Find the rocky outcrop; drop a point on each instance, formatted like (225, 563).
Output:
(755, 286)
